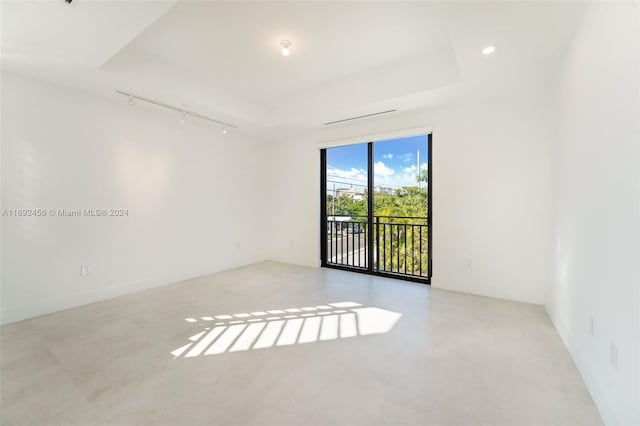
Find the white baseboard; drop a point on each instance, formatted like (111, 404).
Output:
(67, 301)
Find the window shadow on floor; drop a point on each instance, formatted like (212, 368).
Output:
(284, 327)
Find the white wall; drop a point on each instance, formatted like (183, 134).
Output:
(491, 206)
(596, 181)
(191, 194)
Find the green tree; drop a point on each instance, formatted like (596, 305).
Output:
(422, 176)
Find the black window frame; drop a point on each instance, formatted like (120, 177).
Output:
(370, 218)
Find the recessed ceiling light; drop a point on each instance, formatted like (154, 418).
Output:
(488, 50)
(286, 44)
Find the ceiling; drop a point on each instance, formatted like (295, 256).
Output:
(347, 59)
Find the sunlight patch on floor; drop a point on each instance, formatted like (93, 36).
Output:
(285, 327)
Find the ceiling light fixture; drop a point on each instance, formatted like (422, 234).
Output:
(224, 129)
(286, 44)
(488, 50)
(184, 117)
(131, 102)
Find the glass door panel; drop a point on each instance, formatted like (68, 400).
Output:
(347, 206)
(401, 231)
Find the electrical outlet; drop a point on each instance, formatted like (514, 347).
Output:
(84, 270)
(592, 326)
(613, 355)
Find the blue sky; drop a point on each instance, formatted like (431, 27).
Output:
(395, 162)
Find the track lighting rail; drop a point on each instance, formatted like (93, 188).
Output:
(184, 112)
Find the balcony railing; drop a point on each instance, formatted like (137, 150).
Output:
(400, 243)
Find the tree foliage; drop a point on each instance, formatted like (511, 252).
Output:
(423, 176)
(408, 201)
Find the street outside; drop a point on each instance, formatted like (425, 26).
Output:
(347, 249)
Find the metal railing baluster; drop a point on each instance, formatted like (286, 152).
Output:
(420, 250)
(384, 246)
(396, 253)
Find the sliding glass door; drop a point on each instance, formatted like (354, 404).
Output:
(347, 206)
(376, 207)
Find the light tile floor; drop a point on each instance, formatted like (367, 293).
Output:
(407, 355)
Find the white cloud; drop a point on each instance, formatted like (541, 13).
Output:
(354, 173)
(388, 177)
(346, 178)
(383, 176)
(411, 169)
(388, 156)
(380, 169)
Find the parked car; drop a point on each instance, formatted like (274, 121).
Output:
(353, 229)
